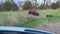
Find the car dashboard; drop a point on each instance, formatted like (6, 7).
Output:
(19, 30)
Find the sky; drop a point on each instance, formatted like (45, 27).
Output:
(38, 1)
(24, 0)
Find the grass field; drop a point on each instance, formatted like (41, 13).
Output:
(20, 18)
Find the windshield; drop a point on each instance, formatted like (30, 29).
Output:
(38, 14)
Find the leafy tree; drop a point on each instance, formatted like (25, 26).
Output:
(44, 4)
(7, 6)
(41, 6)
(55, 5)
(1, 5)
(27, 5)
(10, 5)
(14, 6)
(59, 4)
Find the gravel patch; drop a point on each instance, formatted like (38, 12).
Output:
(50, 26)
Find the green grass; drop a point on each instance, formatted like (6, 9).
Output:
(55, 13)
(42, 17)
(32, 23)
(19, 18)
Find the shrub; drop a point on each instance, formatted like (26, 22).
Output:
(41, 6)
(27, 5)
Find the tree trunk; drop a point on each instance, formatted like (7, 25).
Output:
(44, 4)
(36, 3)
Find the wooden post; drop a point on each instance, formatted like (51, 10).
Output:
(49, 17)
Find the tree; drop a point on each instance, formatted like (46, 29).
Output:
(48, 2)
(44, 4)
(10, 5)
(14, 6)
(1, 5)
(7, 6)
(59, 4)
(36, 3)
(0, 8)
(27, 5)
(41, 6)
(55, 5)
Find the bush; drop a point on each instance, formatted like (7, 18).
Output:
(41, 6)
(55, 5)
(27, 5)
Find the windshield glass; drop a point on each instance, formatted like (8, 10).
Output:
(37, 14)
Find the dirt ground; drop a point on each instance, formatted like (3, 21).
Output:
(50, 26)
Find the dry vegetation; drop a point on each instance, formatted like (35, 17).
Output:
(21, 18)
